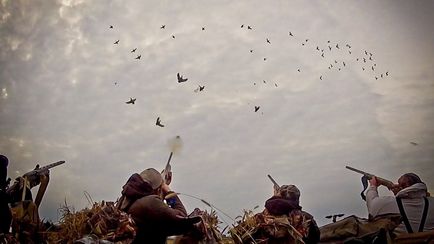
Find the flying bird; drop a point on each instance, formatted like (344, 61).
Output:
(249, 27)
(251, 50)
(320, 77)
(387, 73)
(201, 88)
(242, 26)
(322, 55)
(116, 42)
(257, 108)
(131, 101)
(163, 26)
(111, 27)
(173, 36)
(414, 143)
(138, 57)
(337, 46)
(343, 63)
(298, 70)
(203, 28)
(180, 79)
(264, 81)
(134, 50)
(268, 41)
(265, 59)
(158, 123)
(290, 33)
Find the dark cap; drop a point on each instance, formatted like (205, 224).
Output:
(289, 192)
(153, 177)
(4, 161)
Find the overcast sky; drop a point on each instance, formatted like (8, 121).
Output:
(64, 84)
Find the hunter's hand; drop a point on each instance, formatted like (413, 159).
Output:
(373, 182)
(165, 188)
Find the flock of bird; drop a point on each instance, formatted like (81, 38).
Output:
(366, 60)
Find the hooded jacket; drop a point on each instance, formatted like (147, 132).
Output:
(302, 221)
(154, 219)
(412, 201)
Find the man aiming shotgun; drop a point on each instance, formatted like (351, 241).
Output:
(368, 176)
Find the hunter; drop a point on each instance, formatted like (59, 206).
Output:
(143, 198)
(411, 201)
(5, 212)
(285, 201)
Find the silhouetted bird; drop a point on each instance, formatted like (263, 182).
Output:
(138, 57)
(298, 70)
(317, 48)
(111, 27)
(349, 52)
(201, 88)
(158, 123)
(320, 77)
(328, 41)
(330, 48)
(173, 36)
(372, 68)
(307, 40)
(366, 53)
(275, 84)
(414, 143)
(343, 63)
(134, 50)
(242, 26)
(180, 79)
(203, 28)
(116, 83)
(265, 59)
(376, 78)
(116, 42)
(251, 50)
(381, 75)
(322, 55)
(257, 108)
(268, 41)
(363, 68)
(264, 81)
(163, 26)
(387, 73)
(249, 27)
(337, 46)
(131, 101)
(290, 33)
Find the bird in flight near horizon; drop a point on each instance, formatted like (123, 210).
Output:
(180, 79)
(158, 123)
(268, 41)
(138, 57)
(131, 101)
(163, 26)
(134, 50)
(116, 42)
(414, 143)
(111, 26)
(249, 27)
(290, 33)
(257, 108)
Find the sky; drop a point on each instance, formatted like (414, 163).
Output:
(64, 86)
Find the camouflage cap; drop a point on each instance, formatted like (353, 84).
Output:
(289, 192)
(153, 177)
